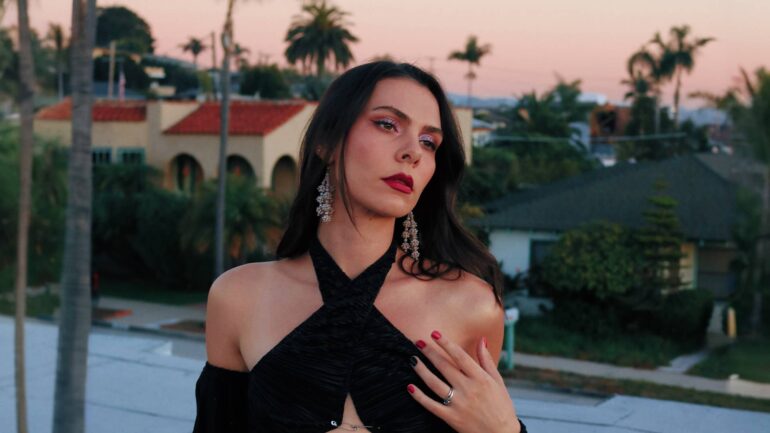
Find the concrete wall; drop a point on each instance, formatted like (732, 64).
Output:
(205, 149)
(464, 118)
(55, 129)
(284, 141)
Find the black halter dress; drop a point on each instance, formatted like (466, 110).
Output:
(345, 347)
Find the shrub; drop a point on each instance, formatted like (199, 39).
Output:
(595, 261)
(684, 316)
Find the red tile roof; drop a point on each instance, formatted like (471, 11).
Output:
(103, 111)
(246, 118)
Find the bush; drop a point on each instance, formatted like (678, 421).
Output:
(684, 316)
(596, 261)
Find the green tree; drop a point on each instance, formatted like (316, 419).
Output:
(266, 80)
(473, 53)
(493, 173)
(748, 106)
(249, 214)
(240, 55)
(318, 37)
(122, 25)
(75, 316)
(660, 241)
(195, 46)
(677, 56)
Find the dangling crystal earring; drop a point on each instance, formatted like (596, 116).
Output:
(410, 232)
(324, 199)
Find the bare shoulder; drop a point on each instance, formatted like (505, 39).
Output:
(473, 303)
(227, 308)
(473, 295)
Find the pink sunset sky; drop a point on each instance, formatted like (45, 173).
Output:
(532, 41)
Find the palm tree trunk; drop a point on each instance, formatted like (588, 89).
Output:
(656, 100)
(470, 82)
(219, 228)
(26, 102)
(676, 97)
(75, 312)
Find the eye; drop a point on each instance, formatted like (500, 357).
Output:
(386, 124)
(428, 141)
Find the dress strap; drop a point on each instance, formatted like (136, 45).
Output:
(335, 284)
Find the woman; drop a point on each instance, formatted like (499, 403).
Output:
(368, 322)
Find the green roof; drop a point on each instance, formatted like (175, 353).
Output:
(704, 185)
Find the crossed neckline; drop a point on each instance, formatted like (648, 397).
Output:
(320, 259)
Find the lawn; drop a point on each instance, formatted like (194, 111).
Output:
(149, 291)
(539, 335)
(41, 305)
(569, 381)
(750, 359)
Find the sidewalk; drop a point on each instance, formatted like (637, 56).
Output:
(150, 317)
(136, 385)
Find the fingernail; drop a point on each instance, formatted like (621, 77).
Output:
(484, 340)
(410, 388)
(413, 361)
(421, 344)
(436, 335)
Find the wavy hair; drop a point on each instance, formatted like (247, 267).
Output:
(445, 245)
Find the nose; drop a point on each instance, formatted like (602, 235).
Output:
(410, 150)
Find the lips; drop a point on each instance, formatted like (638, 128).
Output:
(400, 182)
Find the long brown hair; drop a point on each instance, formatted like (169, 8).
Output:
(445, 245)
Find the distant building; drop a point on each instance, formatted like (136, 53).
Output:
(181, 138)
(523, 226)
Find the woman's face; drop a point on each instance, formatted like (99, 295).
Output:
(391, 149)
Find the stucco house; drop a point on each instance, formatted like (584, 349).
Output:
(524, 225)
(181, 138)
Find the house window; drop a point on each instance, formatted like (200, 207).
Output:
(101, 155)
(538, 250)
(131, 155)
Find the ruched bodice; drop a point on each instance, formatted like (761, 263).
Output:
(347, 346)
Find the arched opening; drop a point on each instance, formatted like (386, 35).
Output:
(185, 173)
(239, 166)
(284, 179)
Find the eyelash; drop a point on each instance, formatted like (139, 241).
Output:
(387, 122)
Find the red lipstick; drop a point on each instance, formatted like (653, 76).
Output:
(400, 182)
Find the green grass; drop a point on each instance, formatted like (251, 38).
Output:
(637, 388)
(41, 305)
(539, 335)
(149, 291)
(749, 358)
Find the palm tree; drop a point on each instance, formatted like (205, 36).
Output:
(317, 38)
(195, 46)
(26, 103)
(75, 314)
(472, 54)
(677, 56)
(56, 35)
(648, 71)
(239, 55)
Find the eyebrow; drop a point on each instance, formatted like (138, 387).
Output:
(403, 116)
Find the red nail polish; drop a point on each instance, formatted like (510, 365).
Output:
(410, 388)
(484, 340)
(421, 344)
(436, 335)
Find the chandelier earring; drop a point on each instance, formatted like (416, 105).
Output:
(324, 199)
(409, 235)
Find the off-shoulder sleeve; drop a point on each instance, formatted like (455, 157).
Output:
(220, 399)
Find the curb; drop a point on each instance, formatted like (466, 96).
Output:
(135, 328)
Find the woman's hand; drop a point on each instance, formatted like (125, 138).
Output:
(479, 401)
